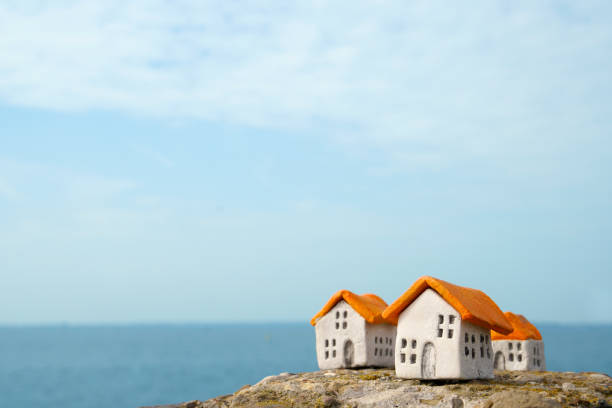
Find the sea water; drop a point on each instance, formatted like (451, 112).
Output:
(132, 366)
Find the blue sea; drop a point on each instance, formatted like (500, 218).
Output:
(132, 366)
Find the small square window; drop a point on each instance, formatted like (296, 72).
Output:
(414, 344)
(440, 319)
(440, 332)
(412, 358)
(402, 357)
(450, 333)
(511, 357)
(404, 343)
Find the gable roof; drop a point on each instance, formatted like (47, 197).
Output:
(523, 329)
(369, 306)
(473, 305)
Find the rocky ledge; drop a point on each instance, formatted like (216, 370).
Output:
(380, 388)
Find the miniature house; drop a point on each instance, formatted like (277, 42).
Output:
(443, 331)
(350, 332)
(522, 349)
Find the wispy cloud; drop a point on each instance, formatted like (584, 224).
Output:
(479, 81)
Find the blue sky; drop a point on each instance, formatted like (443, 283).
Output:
(224, 161)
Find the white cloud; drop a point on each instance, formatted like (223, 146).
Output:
(427, 80)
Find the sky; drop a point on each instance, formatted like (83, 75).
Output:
(221, 161)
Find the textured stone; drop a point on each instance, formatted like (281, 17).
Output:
(381, 388)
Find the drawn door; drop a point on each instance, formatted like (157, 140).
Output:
(348, 353)
(428, 361)
(500, 361)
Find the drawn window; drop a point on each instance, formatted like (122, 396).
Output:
(375, 339)
(518, 346)
(450, 333)
(334, 353)
(326, 343)
(337, 314)
(404, 343)
(337, 325)
(481, 338)
(509, 346)
(440, 319)
(511, 357)
(412, 358)
(375, 351)
(473, 339)
(467, 352)
(519, 357)
(345, 314)
(487, 338)
(386, 352)
(326, 354)
(481, 352)
(414, 344)
(334, 342)
(467, 338)
(538, 363)
(440, 332)
(488, 353)
(451, 319)
(344, 325)
(403, 357)
(473, 354)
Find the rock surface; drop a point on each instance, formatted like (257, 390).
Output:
(380, 388)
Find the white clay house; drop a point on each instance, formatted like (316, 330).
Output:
(350, 332)
(443, 331)
(522, 349)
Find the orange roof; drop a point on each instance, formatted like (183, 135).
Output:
(369, 306)
(523, 329)
(473, 305)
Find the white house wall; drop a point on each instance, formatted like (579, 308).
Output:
(418, 325)
(333, 330)
(520, 355)
(380, 344)
(476, 351)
